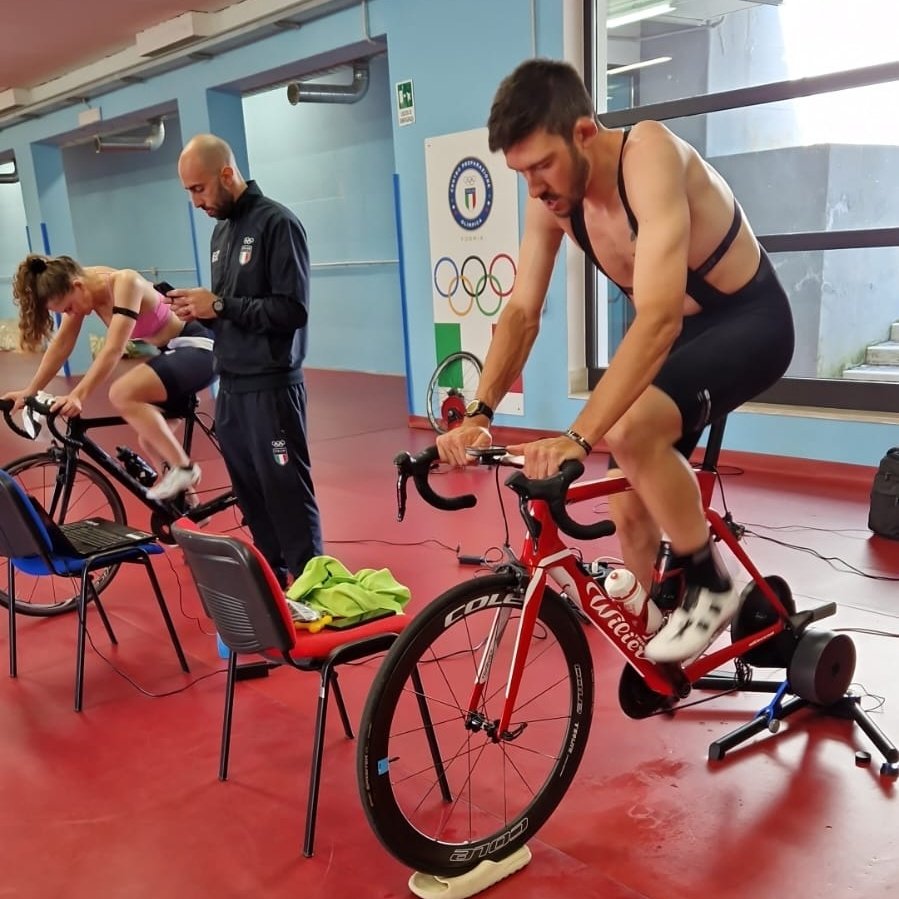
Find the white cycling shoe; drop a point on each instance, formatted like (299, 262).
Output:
(691, 628)
(175, 481)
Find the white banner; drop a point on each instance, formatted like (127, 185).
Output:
(473, 229)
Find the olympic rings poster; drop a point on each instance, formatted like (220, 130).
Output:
(473, 231)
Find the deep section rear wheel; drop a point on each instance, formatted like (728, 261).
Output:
(441, 788)
(452, 386)
(92, 495)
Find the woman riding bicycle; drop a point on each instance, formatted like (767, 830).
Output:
(131, 308)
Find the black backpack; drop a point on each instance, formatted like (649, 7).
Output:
(883, 517)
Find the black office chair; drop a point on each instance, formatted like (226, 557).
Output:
(241, 595)
(25, 541)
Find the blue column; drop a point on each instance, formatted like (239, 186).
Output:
(45, 196)
(212, 112)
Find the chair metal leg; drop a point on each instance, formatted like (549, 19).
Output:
(318, 743)
(430, 736)
(226, 721)
(11, 594)
(145, 561)
(341, 706)
(102, 612)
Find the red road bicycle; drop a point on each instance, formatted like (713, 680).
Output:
(480, 714)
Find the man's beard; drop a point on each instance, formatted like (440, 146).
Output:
(579, 178)
(224, 207)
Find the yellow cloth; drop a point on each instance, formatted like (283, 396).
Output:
(329, 586)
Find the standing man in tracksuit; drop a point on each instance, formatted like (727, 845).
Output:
(258, 308)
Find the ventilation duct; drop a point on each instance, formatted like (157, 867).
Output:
(153, 141)
(303, 92)
(10, 177)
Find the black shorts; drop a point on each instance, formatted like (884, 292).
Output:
(183, 370)
(727, 356)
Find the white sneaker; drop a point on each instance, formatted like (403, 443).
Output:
(692, 628)
(175, 481)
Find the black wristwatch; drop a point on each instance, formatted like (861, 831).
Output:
(218, 305)
(478, 407)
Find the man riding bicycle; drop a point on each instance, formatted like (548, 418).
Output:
(712, 326)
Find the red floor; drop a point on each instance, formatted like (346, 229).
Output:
(123, 801)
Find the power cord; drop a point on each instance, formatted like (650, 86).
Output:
(184, 611)
(137, 686)
(429, 540)
(832, 561)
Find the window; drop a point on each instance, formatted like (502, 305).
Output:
(811, 162)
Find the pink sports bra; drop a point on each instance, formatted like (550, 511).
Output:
(148, 323)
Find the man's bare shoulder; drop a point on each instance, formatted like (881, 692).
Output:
(650, 138)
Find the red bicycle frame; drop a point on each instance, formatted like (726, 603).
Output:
(545, 557)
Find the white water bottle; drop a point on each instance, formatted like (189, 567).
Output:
(622, 586)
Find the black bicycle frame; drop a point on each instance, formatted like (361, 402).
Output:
(76, 441)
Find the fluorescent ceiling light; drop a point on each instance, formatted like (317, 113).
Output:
(638, 65)
(659, 9)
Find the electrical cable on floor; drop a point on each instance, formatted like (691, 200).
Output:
(862, 532)
(873, 632)
(849, 568)
(434, 540)
(184, 611)
(870, 631)
(879, 701)
(141, 689)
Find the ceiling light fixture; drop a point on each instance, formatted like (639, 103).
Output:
(631, 66)
(637, 15)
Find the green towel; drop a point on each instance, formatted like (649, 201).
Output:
(327, 585)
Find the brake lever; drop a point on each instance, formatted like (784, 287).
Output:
(402, 475)
(6, 407)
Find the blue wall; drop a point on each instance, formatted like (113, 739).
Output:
(332, 165)
(129, 211)
(13, 243)
(338, 179)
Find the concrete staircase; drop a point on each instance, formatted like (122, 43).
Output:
(881, 361)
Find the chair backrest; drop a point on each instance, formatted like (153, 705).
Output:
(22, 533)
(238, 590)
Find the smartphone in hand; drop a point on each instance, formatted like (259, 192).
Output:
(163, 287)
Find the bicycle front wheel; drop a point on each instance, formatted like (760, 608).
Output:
(92, 495)
(452, 386)
(441, 789)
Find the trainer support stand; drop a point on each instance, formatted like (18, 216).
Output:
(478, 879)
(819, 673)
(253, 670)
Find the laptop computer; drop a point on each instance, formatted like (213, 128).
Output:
(90, 535)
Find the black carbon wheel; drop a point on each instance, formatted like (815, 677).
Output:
(443, 798)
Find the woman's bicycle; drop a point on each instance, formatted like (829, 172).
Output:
(70, 488)
(479, 715)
